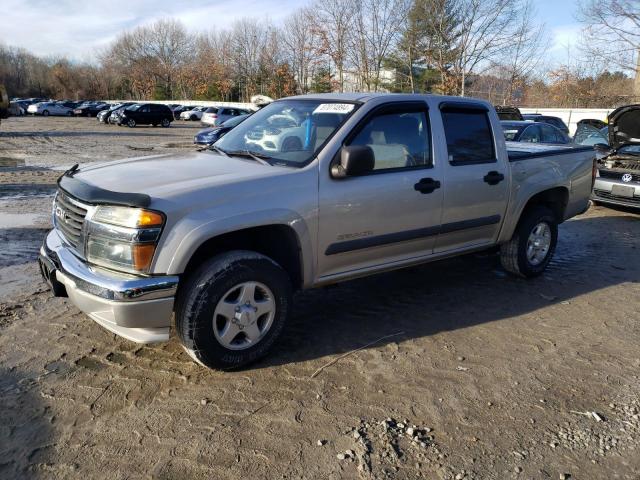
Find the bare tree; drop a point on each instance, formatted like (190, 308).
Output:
(612, 33)
(333, 20)
(302, 43)
(377, 30)
(524, 52)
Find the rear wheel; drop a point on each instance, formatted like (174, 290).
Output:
(166, 122)
(231, 310)
(70, 114)
(531, 248)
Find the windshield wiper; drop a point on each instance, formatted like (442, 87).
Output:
(217, 149)
(257, 156)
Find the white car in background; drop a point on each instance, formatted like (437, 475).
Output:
(195, 114)
(283, 133)
(49, 108)
(214, 116)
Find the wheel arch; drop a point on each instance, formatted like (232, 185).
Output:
(555, 198)
(280, 242)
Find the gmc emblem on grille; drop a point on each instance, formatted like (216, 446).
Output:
(627, 177)
(61, 214)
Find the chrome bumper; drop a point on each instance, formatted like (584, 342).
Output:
(603, 192)
(136, 308)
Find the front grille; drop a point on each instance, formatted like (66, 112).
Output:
(68, 218)
(617, 175)
(609, 196)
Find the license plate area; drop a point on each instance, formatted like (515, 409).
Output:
(622, 191)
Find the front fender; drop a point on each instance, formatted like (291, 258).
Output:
(191, 232)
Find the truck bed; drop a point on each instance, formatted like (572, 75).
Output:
(523, 151)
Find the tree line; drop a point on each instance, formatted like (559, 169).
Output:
(492, 49)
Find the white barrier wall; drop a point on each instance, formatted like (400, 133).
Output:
(571, 116)
(192, 103)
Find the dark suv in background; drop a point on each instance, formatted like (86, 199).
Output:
(555, 121)
(146, 114)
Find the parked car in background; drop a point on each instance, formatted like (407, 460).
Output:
(587, 134)
(114, 117)
(599, 124)
(533, 132)
(214, 116)
(193, 114)
(220, 240)
(16, 109)
(618, 178)
(555, 121)
(146, 114)
(90, 109)
(506, 112)
(213, 134)
(179, 109)
(50, 108)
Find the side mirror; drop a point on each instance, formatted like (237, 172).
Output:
(354, 160)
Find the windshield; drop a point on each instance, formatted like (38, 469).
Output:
(288, 131)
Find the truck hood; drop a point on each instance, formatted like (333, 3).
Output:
(162, 176)
(624, 126)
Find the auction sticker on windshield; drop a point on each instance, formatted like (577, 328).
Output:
(334, 108)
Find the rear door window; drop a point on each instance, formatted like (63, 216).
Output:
(549, 134)
(531, 134)
(469, 135)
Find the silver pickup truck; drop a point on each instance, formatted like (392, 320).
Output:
(309, 191)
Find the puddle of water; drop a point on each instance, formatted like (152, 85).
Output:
(21, 191)
(19, 220)
(11, 162)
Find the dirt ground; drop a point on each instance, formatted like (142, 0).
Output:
(479, 375)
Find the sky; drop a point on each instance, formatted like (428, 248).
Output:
(78, 28)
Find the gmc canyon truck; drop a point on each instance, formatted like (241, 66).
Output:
(308, 191)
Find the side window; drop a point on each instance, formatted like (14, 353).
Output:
(469, 136)
(144, 109)
(531, 134)
(398, 140)
(549, 134)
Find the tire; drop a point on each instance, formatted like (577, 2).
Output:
(69, 114)
(131, 123)
(209, 290)
(45, 113)
(166, 122)
(291, 144)
(193, 118)
(514, 254)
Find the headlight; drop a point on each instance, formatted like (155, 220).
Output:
(123, 238)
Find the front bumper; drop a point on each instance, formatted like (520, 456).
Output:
(603, 192)
(136, 308)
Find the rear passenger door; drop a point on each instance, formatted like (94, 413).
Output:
(475, 181)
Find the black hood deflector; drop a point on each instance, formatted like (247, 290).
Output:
(96, 196)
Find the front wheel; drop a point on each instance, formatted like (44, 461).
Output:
(232, 310)
(131, 123)
(45, 113)
(531, 248)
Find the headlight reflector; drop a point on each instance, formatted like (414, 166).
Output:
(128, 217)
(128, 257)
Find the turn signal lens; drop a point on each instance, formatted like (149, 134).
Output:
(142, 256)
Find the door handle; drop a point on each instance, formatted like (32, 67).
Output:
(493, 177)
(426, 185)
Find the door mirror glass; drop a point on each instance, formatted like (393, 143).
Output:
(354, 160)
